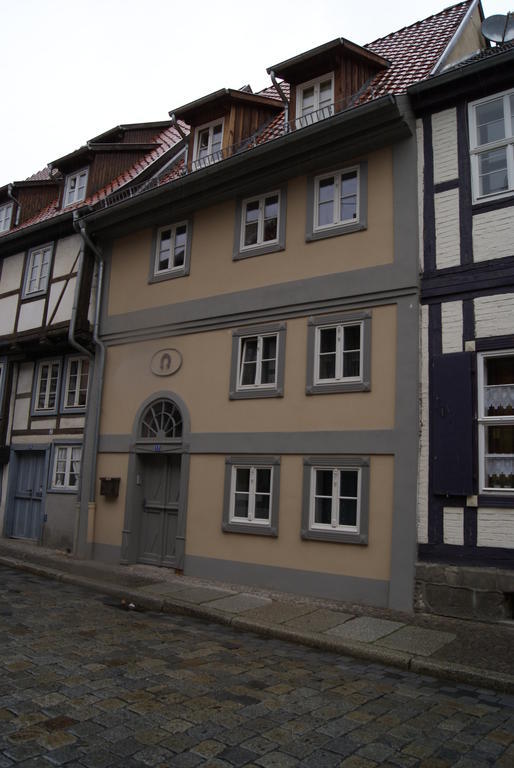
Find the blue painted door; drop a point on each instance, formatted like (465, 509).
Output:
(28, 495)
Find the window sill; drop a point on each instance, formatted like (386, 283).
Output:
(259, 250)
(339, 537)
(335, 231)
(337, 387)
(68, 491)
(485, 204)
(255, 530)
(252, 394)
(171, 275)
(496, 500)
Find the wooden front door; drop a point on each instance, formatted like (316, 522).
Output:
(159, 517)
(27, 513)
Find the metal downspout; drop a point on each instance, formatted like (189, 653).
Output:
(80, 227)
(284, 100)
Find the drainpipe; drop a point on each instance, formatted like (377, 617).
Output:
(175, 124)
(18, 206)
(284, 99)
(80, 227)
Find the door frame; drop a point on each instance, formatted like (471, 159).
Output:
(134, 499)
(16, 450)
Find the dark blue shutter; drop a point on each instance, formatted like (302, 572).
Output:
(452, 445)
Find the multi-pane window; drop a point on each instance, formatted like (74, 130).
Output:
(77, 375)
(338, 353)
(315, 100)
(260, 225)
(496, 421)
(171, 249)
(75, 188)
(492, 145)
(66, 470)
(5, 217)
(258, 361)
(335, 495)
(47, 386)
(38, 270)
(336, 199)
(250, 495)
(208, 142)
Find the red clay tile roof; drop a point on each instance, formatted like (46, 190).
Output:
(43, 175)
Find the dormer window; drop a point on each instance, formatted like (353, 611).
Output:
(315, 100)
(208, 141)
(5, 217)
(75, 189)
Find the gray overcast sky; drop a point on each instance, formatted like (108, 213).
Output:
(75, 68)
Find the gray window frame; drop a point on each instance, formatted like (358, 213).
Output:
(42, 291)
(345, 318)
(263, 248)
(258, 529)
(342, 462)
(278, 329)
(53, 454)
(34, 411)
(344, 228)
(170, 274)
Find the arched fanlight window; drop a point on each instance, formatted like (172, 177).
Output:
(161, 421)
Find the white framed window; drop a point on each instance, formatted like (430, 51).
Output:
(258, 361)
(208, 143)
(491, 126)
(66, 467)
(339, 353)
(251, 495)
(496, 421)
(75, 187)
(76, 383)
(46, 393)
(315, 100)
(260, 221)
(335, 498)
(5, 217)
(336, 199)
(171, 249)
(38, 270)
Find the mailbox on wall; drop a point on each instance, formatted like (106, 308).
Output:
(110, 487)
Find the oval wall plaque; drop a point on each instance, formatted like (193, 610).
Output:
(166, 362)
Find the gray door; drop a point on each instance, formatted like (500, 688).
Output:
(158, 525)
(28, 495)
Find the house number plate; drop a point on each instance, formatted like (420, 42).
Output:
(166, 362)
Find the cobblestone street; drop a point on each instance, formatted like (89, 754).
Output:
(87, 684)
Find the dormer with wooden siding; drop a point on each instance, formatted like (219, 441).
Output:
(325, 79)
(222, 122)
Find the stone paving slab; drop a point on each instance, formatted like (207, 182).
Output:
(365, 629)
(278, 613)
(422, 642)
(198, 595)
(319, 621)
(240, 603)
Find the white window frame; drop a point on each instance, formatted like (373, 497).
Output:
(75, 406)
(252, 493)
(174, 269)
(488, 421)
(261, 199)
(46, 408)
(208, 160)
(313, 117)
(258, 363)
(337, 221)
(335, 525)
(70, 451)
(5, 217)
(339, 377)
(41, 279)
(476, 149)
(71, 196)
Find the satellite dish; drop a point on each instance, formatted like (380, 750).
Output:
(499, 28)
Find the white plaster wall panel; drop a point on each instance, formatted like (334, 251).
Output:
(7, 314)
(494, 315)
(25, 374)
(421, 184)
(444, 142)
(21, 413)
(452, 326)
(70, 422)
(447, 230)
(423, 440)
(12, 273)
(453, 526)
(31, 315)
(61, 293)
(66, 252)
(49, 424)
(495, 527)
(31, 439)
(493, 235)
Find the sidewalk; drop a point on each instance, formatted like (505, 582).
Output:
(470, 652)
